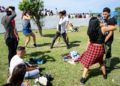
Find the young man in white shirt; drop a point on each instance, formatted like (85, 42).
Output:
(61, 30)
(32, 71)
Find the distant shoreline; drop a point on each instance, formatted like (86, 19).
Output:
(49, 22)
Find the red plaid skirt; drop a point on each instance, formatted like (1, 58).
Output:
(94, 54)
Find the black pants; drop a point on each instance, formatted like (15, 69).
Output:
(12, 47)
(58, 34)
(108, 49)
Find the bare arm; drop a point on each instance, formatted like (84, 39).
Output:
(30, 67)
(16, 33)
(109, 28)
(11, 17)
(26, 17)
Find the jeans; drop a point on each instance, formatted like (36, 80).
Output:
(108, 49)
(32, 74)
(58, 34)
(12, 47)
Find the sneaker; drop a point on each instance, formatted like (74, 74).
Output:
(82, 80)
(105, 76)
(35, 45)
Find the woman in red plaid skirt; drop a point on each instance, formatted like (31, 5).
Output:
(95, 51)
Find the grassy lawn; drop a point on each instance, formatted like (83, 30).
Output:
(64, 74)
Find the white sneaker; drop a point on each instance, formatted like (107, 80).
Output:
(42, 80)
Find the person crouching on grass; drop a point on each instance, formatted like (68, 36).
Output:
(95, 51)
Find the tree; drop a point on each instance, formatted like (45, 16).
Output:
(35, 8)
(117, 9)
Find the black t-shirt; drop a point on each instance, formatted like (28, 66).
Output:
(110, 21)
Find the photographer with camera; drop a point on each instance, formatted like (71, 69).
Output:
(11, 35)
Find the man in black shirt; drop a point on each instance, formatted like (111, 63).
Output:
(109, 35)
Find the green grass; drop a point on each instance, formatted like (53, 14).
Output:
(64, 74)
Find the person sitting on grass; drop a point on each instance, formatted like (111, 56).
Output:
(32, 71)
(95, 51)
(17, 77)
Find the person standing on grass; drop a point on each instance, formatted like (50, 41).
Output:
(108, 20)
(27, 29)
(95, 50)
(11, 35)
(62, 26)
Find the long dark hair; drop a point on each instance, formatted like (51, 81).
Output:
(93, 28)
(18, 75)
(24, 13)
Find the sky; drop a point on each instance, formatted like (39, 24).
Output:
(71, 6)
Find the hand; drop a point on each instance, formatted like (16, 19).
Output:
(18, 38)
(102, 24)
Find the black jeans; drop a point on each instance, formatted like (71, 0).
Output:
(12, 47)
(108, 49)
(58, 34)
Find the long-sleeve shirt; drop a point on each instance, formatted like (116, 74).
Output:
(62, 23)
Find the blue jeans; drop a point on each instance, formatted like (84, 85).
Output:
(32, 74)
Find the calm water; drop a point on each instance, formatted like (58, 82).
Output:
(48, 22)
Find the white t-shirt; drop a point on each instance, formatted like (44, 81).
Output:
(16, 60)
(63, 22)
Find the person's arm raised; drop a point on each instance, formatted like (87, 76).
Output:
(12, 16)
(26, 16)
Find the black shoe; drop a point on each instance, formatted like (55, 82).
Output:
(35, 45)
(82, 80)
(68, 47)
(105, 76)
(51, 47)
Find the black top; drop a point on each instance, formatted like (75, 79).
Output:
(110, 21)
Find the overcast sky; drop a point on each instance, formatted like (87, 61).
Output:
(72, 5)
